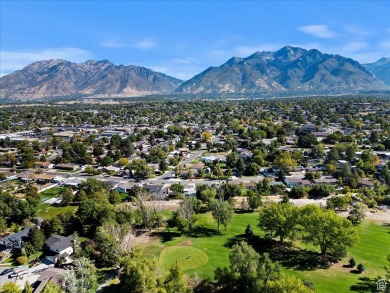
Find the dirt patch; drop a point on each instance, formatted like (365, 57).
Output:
(144, 239)
(186, 243)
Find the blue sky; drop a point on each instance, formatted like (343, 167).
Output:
(183, 38)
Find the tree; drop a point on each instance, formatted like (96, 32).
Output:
(321, 190)
(175, 282)
(52, 287)
(288, 284)
(248, 271)
(352, 262)
(254, 199)
(222, 212)
(52, 226)
(3, 225)
(206, 193)
(185, 214)
(106, 161)
(285, 162)
(357, 213)
(67, 197)
(114, 197)
(177, 189)
(22, 260)
(252, 169)
(278, 220)
(113, 239)
(307, 140)
(360, 268)
(123, 162)
(82, 278)
(231, 159)
(27, 288)
(162, 166)
(339, 202)
(92, 186)
(207, 135)
(10, 287)
(37, 239)
(324, 228)
(318, 151)
(92, 212)
(248, 231)
(137, 274)
(297, 191)
(240, 166)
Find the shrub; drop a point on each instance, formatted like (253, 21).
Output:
(21, 260)
(352, 262)
(360, 268)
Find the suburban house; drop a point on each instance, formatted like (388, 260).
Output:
(331, 181)
(16, 240)
(70, 167)
(158, 191)
(50, 274)
(297, 182)
(58, 247)
(43, 165)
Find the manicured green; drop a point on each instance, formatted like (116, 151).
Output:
(48, 211)
(371, 251)
(187, 257)
(52, 192)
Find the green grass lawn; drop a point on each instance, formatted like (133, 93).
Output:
(188, 257)
(48, 211)
(372, 250)
(55, 191)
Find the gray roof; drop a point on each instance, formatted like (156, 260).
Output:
(60, 242)
(17, 236)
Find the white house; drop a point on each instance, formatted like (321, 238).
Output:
(58, 247)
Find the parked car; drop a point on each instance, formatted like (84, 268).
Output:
(13, 275)
(6, 271)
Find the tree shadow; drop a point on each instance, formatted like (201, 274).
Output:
(201, 231)
(301, 259)
(365, 284)
(165, 236)
(284, 253)
(239, 211)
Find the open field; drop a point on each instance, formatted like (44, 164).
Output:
(52, 192)
(371, 251)
(48, 211)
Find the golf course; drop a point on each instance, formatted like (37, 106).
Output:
(202, 250)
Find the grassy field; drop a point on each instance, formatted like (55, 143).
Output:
(55, 191)
(371, 251)
(48, 211)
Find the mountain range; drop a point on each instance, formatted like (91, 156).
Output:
(60, 78)
(380, 69)
(288, 70)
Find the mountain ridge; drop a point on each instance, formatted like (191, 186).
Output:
(61, 78)
(380, 69)
(288, 69)
(285, 71)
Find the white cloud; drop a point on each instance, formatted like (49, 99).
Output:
(15, 60)
(146, 44)
(385, 45)
(187, 60)
(143, 44)
(354, 46)
(319, 31)
(113, 44)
